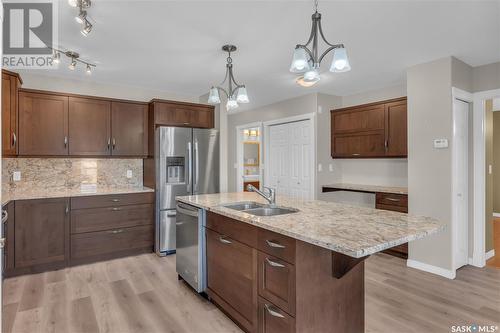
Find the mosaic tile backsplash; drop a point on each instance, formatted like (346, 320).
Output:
(70, 173)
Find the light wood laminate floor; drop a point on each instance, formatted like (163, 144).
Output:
(142, 294)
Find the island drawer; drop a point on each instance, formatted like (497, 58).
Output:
(240, 231)
(390, 199)
(276, 282)
(276, 245)
(272, 319)
(97, 201)
(106, 218)
(100, 243)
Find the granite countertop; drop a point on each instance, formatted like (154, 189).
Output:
(354, 231)
(366, 188)
(63, 192)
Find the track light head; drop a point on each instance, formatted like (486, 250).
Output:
(88, 70)
(72, 65)
(56, 57)
(87, 28)
(82, 16)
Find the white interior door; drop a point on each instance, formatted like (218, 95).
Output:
(289, 162)
(460, 182)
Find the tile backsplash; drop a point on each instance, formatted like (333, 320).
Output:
(70, 172)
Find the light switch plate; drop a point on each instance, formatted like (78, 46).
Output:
(129, 173)
(320, 167)
(330, 167)
(16, 176)
(320, 109)
(440, 143)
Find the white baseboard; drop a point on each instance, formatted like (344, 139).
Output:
(496, 214)
(449, 274)
(489, 254)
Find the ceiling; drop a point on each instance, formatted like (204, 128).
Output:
(174, 46)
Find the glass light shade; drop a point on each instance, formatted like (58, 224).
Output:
(340, 62)
(231, 104)
(312, 76)
(213, 97)
(300, 61)
(242, 95)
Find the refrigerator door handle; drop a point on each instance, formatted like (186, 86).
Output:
(197, 166)
(190, 167)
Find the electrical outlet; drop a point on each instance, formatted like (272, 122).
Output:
(320, 167)
(16, 176)
(330, 167)
(129, 173)
(320, 109)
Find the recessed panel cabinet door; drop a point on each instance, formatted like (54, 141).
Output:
(396, 129)
(89, 126)
(41, 231)
(43, 124)
(9, 114)
(129, 129)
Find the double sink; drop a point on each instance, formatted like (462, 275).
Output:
(259, 209)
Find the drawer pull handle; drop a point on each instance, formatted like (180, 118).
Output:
(274, 244)
(119, 231)
(5, 216)
(274, 263)
(115, 200)
(356, 154)
(115, 209)
(392, 199)
(273, 311)
(223, 240)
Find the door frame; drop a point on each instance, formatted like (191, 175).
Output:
(239, 154)
(304, 117)
(466, 97)
(479, 137)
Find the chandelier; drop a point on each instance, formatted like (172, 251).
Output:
(235, 93)
(306, 61)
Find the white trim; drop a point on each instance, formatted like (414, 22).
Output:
(447, 273)
(496, 214)
(462, 95)
(308, 116)
(490, 254)
(239, 154)
(478, 257)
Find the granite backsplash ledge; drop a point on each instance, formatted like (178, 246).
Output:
(70, 173)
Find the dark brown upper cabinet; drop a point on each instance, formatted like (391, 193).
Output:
(89, 127)
(10, 86)
(129, 129)
(372, 130)
(171, 113)
(43, 124)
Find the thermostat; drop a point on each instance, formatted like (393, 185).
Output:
(440, 143)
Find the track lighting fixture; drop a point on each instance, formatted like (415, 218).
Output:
(82, 16)
(74, 59)
(86, 29)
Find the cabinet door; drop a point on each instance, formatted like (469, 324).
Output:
(202, 117)
(364, 118)
(172, 114)
(8, 232)
(129, 129)
(89, 127)
(9, 114)
(231, 270)
(364, 144)
(43, 124)
(274, 320)
(41, 231)
(396, 129)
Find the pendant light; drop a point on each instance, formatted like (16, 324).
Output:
(235, 93)
(307, 61)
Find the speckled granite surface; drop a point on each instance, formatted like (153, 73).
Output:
(354, 231)
(368, 188)
(62, 192)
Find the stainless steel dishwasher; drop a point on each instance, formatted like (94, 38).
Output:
(190, 234)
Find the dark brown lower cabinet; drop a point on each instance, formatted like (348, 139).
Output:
(41, 233)
(8, 232)
(271, 283)
(396, 203)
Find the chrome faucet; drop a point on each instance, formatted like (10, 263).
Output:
(271, 197)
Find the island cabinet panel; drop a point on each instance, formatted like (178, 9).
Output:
(231, 275)
(8, 232)
(396, 203)
(41, 232)
(370, 130)
(10, 86)
(129, 129)
(43, 124)
(277, 245)
(89, 127)
(274, 320)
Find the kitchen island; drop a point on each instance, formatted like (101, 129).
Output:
(297, 272)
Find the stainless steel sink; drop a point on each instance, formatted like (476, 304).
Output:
(270, 211)
(244, 205)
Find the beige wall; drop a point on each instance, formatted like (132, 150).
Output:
(486, 77)
(461, 75)
(429, 176)
(489, 130)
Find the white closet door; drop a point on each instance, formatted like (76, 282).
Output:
(278, 161)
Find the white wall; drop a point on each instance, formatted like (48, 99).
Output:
(86, 86)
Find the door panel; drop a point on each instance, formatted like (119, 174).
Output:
(43, 124)
(188, 260)
(9, 114)
(129, 129)
(89, 126)
(364, 144)
(41, 231)
(396, 129)
(205, 161)
(365, 119)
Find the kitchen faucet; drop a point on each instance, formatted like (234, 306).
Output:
(271, 197)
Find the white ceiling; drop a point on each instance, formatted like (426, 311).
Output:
(174, 46)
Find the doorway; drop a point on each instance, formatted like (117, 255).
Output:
(492, 229)
(249, 155)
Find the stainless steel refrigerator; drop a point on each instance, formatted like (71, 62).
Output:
(187, 162)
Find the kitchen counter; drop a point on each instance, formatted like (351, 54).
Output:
(364, 188)
(62, 192)
(350, 230)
